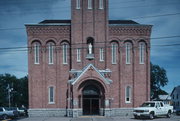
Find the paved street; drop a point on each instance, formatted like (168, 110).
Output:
(173, 118)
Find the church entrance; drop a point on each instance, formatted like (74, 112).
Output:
(91, 100)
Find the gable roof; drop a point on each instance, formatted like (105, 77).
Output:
(177, 89)
(80, 73)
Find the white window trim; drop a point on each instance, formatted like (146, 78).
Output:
(78, 55)
(51, 53)
(65, 46)
(130, 94)
(36, 53)
(128, 53)
(89, 4)
(49, 100)
(141, 53)
(101, 54)
(101, 4)
(114, 53)
(78, 3)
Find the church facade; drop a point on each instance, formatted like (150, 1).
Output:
(88, 65)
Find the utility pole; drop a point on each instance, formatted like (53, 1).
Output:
(9, 95)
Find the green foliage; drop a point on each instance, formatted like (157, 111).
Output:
(158, 79)
(19, 94)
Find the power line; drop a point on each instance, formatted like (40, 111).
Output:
(160, 15)
(25, 49)
(60, 8)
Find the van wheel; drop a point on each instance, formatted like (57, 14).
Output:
(136, 117)
(168, 114)
(151, 115)
(4, 117)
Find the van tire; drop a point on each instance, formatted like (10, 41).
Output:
(151, 115)
(169, 114)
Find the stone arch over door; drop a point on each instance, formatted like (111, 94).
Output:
(91, 97)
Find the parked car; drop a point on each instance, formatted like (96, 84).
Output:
(3, 114)
(6, 113)
(22, 111)
(152, 109)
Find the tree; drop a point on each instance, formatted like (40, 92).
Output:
(19, 92)
(158, 79)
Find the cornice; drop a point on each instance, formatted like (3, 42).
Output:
(48, 30)
(129, 30)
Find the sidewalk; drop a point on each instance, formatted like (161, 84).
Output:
(83, 118)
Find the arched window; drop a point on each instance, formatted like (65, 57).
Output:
(65, 49)
(78, 3)
(51, 95)
(128, 94)
(89, 4)
(141, 52)
(114, 52)
(101, 4)
(36, 52)
(51, 52)
(128, 47)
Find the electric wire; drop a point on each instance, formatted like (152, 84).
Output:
(142, 17)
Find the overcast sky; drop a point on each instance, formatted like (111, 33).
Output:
(164, 15)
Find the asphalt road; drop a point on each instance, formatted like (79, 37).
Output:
(173, 118)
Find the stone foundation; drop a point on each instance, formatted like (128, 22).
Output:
(127, 112)
(124, 112)
(55, 112)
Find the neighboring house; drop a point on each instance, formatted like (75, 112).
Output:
(88, 65)
(165, 98)
(175, 96)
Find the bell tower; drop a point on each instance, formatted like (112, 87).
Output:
(89, 19)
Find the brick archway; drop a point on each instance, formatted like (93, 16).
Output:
(92, 97)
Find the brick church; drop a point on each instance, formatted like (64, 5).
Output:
(88, 65)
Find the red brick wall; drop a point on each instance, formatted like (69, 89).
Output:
(89, 23)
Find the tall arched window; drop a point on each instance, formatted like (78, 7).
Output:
(141, 52)
(51, 95)
(101, 4)
(36, 52)
(51, 52)
(78, 4)
(128, 47)
(128, 94)
(65, 49)
(89, 4)
(114, 52)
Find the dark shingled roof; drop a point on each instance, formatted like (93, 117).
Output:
(122, 22)
(54, 21)
(69, 21)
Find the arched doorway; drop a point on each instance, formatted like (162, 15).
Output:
(92, 97)
(91, 100)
